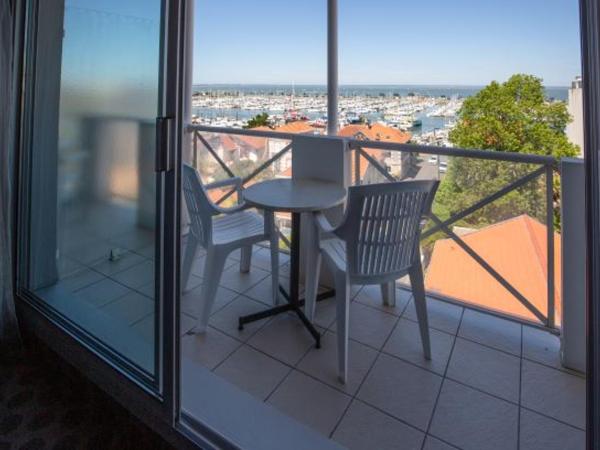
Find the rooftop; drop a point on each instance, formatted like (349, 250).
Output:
(376, 132)
(516, 248)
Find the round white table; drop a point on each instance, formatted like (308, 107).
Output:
(296, 197)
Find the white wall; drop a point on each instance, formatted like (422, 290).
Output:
(575, 107)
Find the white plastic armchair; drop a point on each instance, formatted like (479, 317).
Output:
(376, 243)
(221, 231)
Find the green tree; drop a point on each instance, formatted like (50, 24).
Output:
(513, 116)
(260, 120)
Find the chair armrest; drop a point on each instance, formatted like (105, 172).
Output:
(232, 209)
(235, 181)
(323, 224)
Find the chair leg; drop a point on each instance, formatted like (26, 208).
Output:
(342, 294)
(188, 260)
(245, 258)
(313, 269)
(388, 293)
(274, 247)
(213, 268)
(418, 289)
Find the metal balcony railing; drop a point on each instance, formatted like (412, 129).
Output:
(532, 169)
(544, 166)
(198, 141)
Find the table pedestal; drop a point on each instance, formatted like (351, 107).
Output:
(294, 303)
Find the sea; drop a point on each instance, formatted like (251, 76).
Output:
(552, 92)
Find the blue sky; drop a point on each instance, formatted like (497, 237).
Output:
(468, 42)
(465, 42)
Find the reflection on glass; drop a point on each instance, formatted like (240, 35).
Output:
(93, 183)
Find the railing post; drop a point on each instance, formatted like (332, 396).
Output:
(357, 166)
(573, 277)
(195, 150)
(550, 243)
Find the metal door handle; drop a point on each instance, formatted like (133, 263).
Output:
(164, 155)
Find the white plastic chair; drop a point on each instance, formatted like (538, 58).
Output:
(376, 243)
(221, 231)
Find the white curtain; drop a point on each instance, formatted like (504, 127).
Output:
(9, 330)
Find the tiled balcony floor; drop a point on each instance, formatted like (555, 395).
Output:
(491, 384)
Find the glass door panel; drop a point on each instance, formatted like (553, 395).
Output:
(93, 189)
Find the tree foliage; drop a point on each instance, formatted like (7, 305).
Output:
(513, 116)
(260, 120)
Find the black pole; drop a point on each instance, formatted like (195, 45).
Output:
(295, 259)
(293, 301)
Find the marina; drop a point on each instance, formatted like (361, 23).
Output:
(428, 113)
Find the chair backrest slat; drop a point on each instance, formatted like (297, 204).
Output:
(200, 208)
(383, 224)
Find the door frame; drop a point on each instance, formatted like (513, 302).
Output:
(59, 333)
(590, 58)
(173, 91)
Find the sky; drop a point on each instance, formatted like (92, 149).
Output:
(443, 42)
(457, 42)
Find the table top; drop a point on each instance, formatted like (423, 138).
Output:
(294, 195)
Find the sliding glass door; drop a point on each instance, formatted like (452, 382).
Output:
(91, 257)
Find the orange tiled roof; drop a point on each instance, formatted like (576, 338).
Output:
(298, 126)
(228, 143)
(256, 142)
(375, 132)
(287, 173)
(516, 249)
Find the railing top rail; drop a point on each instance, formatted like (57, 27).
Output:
(257, 133)
(453, 151)
(392, 146)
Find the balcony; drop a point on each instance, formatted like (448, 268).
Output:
(496, 378)
(97, 245)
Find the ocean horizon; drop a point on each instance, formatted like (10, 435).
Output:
(372, 90)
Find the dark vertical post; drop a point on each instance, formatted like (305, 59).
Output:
(332, 67)
(357, 166)
(590, 57)
(195, 150)
(169, 207)
(43, 221)
(550, 243)
(295, 258)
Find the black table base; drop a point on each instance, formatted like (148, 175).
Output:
(294, 303)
